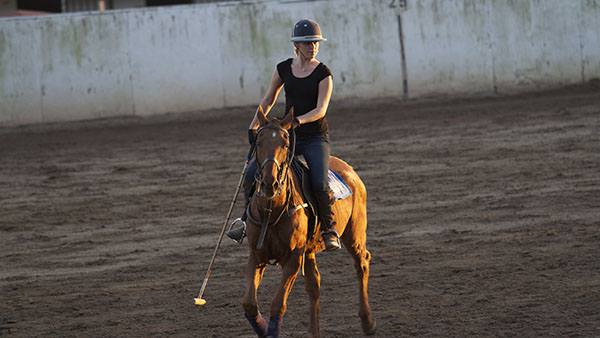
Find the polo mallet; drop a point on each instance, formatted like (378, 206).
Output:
(199, 301)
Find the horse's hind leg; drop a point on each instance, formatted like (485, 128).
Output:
(313, 284)
(254, 273)
(354, 239)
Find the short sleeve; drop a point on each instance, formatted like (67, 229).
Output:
(283, 68)
(324, 72)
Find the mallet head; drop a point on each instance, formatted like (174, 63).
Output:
(199, 301)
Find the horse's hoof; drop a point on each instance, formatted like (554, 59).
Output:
(370, 328)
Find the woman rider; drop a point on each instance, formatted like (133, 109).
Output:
(308, 85)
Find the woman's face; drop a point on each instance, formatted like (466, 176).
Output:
(308, 49)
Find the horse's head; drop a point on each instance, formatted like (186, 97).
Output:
(272, 147)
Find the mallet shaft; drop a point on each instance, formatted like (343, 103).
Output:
(235, 195)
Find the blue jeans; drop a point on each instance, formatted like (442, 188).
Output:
(316, 152)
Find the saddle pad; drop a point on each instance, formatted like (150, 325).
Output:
(338, 185)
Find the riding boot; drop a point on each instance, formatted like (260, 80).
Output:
(328, 233)
(238, 234)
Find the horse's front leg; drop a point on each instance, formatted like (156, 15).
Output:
(254, 274)
(278, 305)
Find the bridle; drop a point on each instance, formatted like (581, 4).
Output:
(282, 172)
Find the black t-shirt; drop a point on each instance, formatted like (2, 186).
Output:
(302, 94)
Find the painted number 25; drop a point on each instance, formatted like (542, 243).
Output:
(397, 3)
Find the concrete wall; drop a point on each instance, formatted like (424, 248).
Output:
(194, 57)
(488, 46)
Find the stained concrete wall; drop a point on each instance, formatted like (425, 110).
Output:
(495, 45)
(185, 58)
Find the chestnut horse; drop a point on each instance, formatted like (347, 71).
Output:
(278, 206)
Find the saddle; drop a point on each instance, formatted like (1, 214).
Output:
(336, 184)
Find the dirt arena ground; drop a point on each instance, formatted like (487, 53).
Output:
(484, 221)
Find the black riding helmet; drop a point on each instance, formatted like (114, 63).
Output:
(307, 30)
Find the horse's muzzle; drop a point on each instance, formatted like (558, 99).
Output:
(268, 190)
(269, 179)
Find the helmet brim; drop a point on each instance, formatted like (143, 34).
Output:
(308, 38)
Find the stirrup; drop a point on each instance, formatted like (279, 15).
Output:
(334, 242)
(237, 234)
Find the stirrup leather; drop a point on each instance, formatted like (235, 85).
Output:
(237, 234)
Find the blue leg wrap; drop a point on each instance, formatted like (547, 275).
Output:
(274, 327)
(259, 324)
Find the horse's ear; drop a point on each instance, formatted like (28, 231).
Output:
(262, 119)
(288, 120)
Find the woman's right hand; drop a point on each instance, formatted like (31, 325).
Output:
(252, 136)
